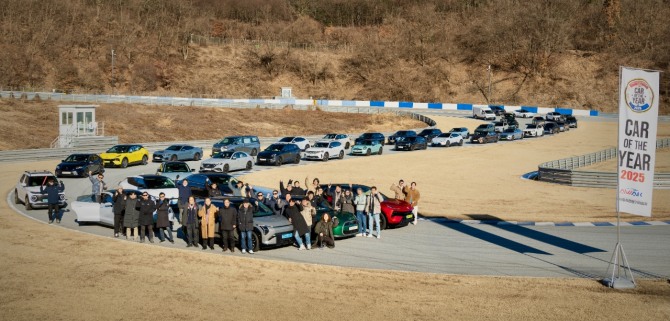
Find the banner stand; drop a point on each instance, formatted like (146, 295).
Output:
(619, 262)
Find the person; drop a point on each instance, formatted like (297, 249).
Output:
(313, 186)
(131, 215)
(241, 189)
(245, 223)
(119, 199)
(373, 207)
(398, 190)
(146, 206)
(324, 232)
(184, 193)
(163, 218)
(311, 199)
(213, 190)
(300, 227)
(98, 186)
(286, 190)
(336, 197)
(207, 215)
(53, 198)
(190, 222)
(227, 225)
(271, 201)
(347, 201)
(308, 212)
(319, 198)
(359, 202)
(283, 204)
(297, 190)
(413, 197)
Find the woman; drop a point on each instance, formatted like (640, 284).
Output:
(190, 222)
(119, 199)
(312, 187)
(347, 202)
(324, 231)
(207, 214)
(300, 227)
(308, 212)
(131, 218)
(163, 220)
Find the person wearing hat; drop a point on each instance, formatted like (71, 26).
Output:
(207, 215)
(131, 215)
(245, 223)
(119, 199)
(300, 227)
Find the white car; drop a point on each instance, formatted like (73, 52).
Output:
(227, 161)
(555, 116)
(152, 184)
(533, 130)
(524, 113)
(343, 139)
(27, 190)
(325, 150)
(448, 139)
(302, 142)
(88, 210)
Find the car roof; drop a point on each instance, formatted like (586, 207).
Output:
(39, 173)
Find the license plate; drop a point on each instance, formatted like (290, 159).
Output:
(410, 216)
(66, 172)
(262, 159)
(351, 228)
(287, 235)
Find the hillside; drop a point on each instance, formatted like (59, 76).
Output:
(557, 53)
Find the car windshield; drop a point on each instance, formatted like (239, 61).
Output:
(330, 136)
(174, 147)
(40, 180)
(446, 134)
(223, 155)
(321, 145)
(275, 148)
(177, 167)
(488, 111)
(227, 141)
(510, 130)
(498, 124)
(222, 180)
(286, 140)
(367, 142)
(522, 111)
(456, 130)
(77, 158)
(482, 126)
(530, 126)
(119, 149)
(155, 182)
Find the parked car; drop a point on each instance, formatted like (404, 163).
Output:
(375, 136)
(302, 142)
(484, 136)
(524, 113)
(448, 139)
(341, 138)
(174, 170)
(461, 131)
(154, 185)
(509, 119)
(499, 126)
(562, 126)
(400, 135)
(78, 165)
(200, 181)
(87, 210)
(483, 112)
(533, 130)
(325, 150)
(248, 144)
(124, 155)
(278, 154)
(571, 121)
(430, 133)
(27, 190)
(411, 143)
(551, 128)
(554, 116)
(511, 133)
(225, 162)
(368, 147)
(538, 120)
(178, 153)
(498, 110)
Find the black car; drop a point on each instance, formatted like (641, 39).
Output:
(401, 134)
(78, 165)
(278, 154)
(551, 128)
(497, 109)
(430, 133)
(411, 143)
(538, 120)
(370, 136)
(199, 183)
(485, 136)
(571, 121)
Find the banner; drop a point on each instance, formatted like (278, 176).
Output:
(638, 120)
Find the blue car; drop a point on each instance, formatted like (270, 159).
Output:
(178, 153)
(78, 165)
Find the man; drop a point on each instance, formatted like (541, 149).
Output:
(190, 222)
(359, 202)
(146, 206)
(335, 202)
(53, 198)
(398, 190)
(297, 190)
(300, 227)
(373, 207)
(271, 201)
(227, 225)
(413, 196)
(213, 190)
(286, 190)
(119, 206)
(282, 204)
(245, 222)
(98, 186)
(184, 194)
(319, 197)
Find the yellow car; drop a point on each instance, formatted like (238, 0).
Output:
(124, 155)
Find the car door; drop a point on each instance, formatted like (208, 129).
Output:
(134, 154)
(187, 152)
(236, 160)
(107, 210)
(87, 210)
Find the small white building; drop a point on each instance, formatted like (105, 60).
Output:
(75, 121)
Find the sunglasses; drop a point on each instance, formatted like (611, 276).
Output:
(275, 193)
(145, 194)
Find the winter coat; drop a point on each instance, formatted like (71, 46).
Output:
(53, 192)
(194, 215)
(213, 192)
(413, 195)
(227, 218)
(399, 195)
(298, 191)
(146, 208)
(245, 218)
(97, 186)
(208, 220)
(184, 193)
(325, 227)
(359, 202)
(347, 203)
(308, 213)
(297, 220)
(376, 206)
(132, 214)
(163, 218)
(119, 203)
(272, 204)
(336, 201)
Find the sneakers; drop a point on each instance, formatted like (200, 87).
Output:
(302, 247)
(58, 221)
(251, 251)
(379, 236)
(116, 235)
(370, 235)
(172, 241)
(359, 234)
(309, 246)
(232, 249)
(51, 221)
(244, 251)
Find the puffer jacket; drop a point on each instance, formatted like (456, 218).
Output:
(325, 227)
(146, 208)
(132, 214)
(245, 218)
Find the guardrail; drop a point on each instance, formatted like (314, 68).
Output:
(563, 171)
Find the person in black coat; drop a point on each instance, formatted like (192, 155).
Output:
(163, 220)
(146, 206)
(213, 190)
(119, 199)
(227, 225)
(53, 198)
(271, 202)
(245, 223)
(190, 222)
(300, 226)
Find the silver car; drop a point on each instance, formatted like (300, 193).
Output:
(227, 161)
(248, 144)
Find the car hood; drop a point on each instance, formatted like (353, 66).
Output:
(318, 149)
(363, 146)
(112, 155)
(159, 152)
(439, 139)
(397, 205)
(71, 164)
(269, 154)
(215, 161)
(271, 220)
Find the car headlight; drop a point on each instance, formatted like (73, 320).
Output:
(33, 198)
(61, 197)
(57, 167)
(79, 167)
(264, 228)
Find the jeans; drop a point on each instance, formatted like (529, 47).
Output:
(362, 222)
(298, 238)
(415, 211)
(161, 233)
(245, 240)
(375, 218)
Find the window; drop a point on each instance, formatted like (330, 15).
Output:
(254, 139)
(107, 198)
(66, 118)
(188, 147)
(247, 140)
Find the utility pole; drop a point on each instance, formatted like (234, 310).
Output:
(113, 82)
(490, 98)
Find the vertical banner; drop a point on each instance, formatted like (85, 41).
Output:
(638, 120)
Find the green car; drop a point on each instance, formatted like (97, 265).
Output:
(367, 147)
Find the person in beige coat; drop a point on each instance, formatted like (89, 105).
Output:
(398, 190)
(207, 214)
(308, 212)
(413, 197)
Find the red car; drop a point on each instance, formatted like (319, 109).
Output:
(395, 213)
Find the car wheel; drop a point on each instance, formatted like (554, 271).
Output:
(306, 147)
(226, 168)
(249, 165)
(341, 156)
(145, 160)
(196, 157)
(461, 143)
(173, 158)
(481, 140)
(124, 163)
(411, 147)
(512, 137)
(297, 159)
(255, 242)
(381, 150)
(28, 205)
(346, 146)
(326, 157)
(254, 152)
(368, 152)
(16, 197)
(383, 224)
(279, 161)
(447, 144)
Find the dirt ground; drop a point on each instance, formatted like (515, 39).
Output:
(51, 273)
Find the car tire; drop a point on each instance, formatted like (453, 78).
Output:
(145, 160)
(297, 159)
(226, 168)
(368, 152)
(255, 242)
(279, 161)
(16, 197)
(326, 157)
(346, 146)
(27, 204)
(447, 144)
(341, 156)
(196, 157)
(481, 140)
(173, 158)
(306, 147)
(383, 224)
(411, 147)
(124, 163)
(381, 150)
(254, 152)
(249, 165)
(512, 137)
(461, 144)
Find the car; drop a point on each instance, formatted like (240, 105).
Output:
(551, 128)
(248, 144)
(463, 131)
(430, 133)
(270, 229)
(87, 210)
(154, 185)
(533, 130)
(499, 126)
(78, 165)
(538, 120)
(498, 110)
(395, 213)
(279, 153)
(509, 119)
(484, 136)
(325, 150)
(199, 182)
(448, 139)
(524, 113)
(345, 224)
(554, 116)
(174, 170)
(124, 155)
(178, 153)
(511, 133)
(27, 190)
(224, 162)
(571, 121)
(562, 126)
(302, 142)
(399, 135)
(368, 147)
(411, 143)
(375, 136)
(343, 139)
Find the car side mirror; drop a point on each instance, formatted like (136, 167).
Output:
(63, 161)
(192, 169)
(233, 158)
